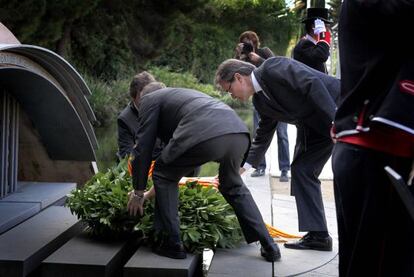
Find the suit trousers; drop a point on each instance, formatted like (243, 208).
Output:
(312, 151)
(282, 143)
(376, 233)
(228, 151)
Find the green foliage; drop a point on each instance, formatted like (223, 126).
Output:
(109, 39)
(108, 146)
(201, 40)
(209, 169)
(206, 220)
(101, 203)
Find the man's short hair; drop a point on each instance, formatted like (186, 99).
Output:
(227, 69)
(250, 35)
(152, 87)
(139, 82)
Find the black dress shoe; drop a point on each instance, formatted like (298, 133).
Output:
(258, 173)
(171, 250)
(311, 242)
(271, 254)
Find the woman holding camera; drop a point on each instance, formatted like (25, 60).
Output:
(249, 50)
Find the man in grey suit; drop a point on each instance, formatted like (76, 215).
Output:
(196, 129)
(289, 91)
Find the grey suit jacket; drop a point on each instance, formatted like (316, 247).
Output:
(293, 93)
(181, 118)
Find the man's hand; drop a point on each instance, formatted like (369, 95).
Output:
(242, 170)
(411, 175)
(319, 27)
(135, 203)
(254, 58)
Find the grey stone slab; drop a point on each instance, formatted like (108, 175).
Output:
(146, 263)
(23, 248)
(44, 193)
(12, 214)
(301, 262)
(85, 256)
(246, 262)
(330, 269)
(242, 262)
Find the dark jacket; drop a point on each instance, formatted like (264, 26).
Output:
(380, 80)
(127, 128)
(292, 93)
(128, 124)
(264, 54)
(181, 118)
(313, 55)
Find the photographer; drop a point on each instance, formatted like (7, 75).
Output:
(249, 50)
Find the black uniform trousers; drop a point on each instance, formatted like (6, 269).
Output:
(373, 223)
(228, 151)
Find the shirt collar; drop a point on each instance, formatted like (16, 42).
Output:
(256, 84)
(309, 37)
(257, 87)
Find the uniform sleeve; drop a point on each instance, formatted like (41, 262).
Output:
(308, 51)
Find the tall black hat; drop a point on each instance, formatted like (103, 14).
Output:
(314, 13)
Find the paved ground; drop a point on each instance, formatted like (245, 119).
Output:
(278, 188)
(278, 208)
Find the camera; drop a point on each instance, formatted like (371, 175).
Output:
(247, 48)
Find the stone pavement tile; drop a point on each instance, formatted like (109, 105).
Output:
(282, 209)
(328, 270)
(241, 262)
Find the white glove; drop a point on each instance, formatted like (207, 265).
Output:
(411, 176)
(319, 27)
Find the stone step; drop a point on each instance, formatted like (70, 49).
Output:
(83, 256)
(244, 261)
(29, 199)
(24, 247)
(146, 263)
(11, 214)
